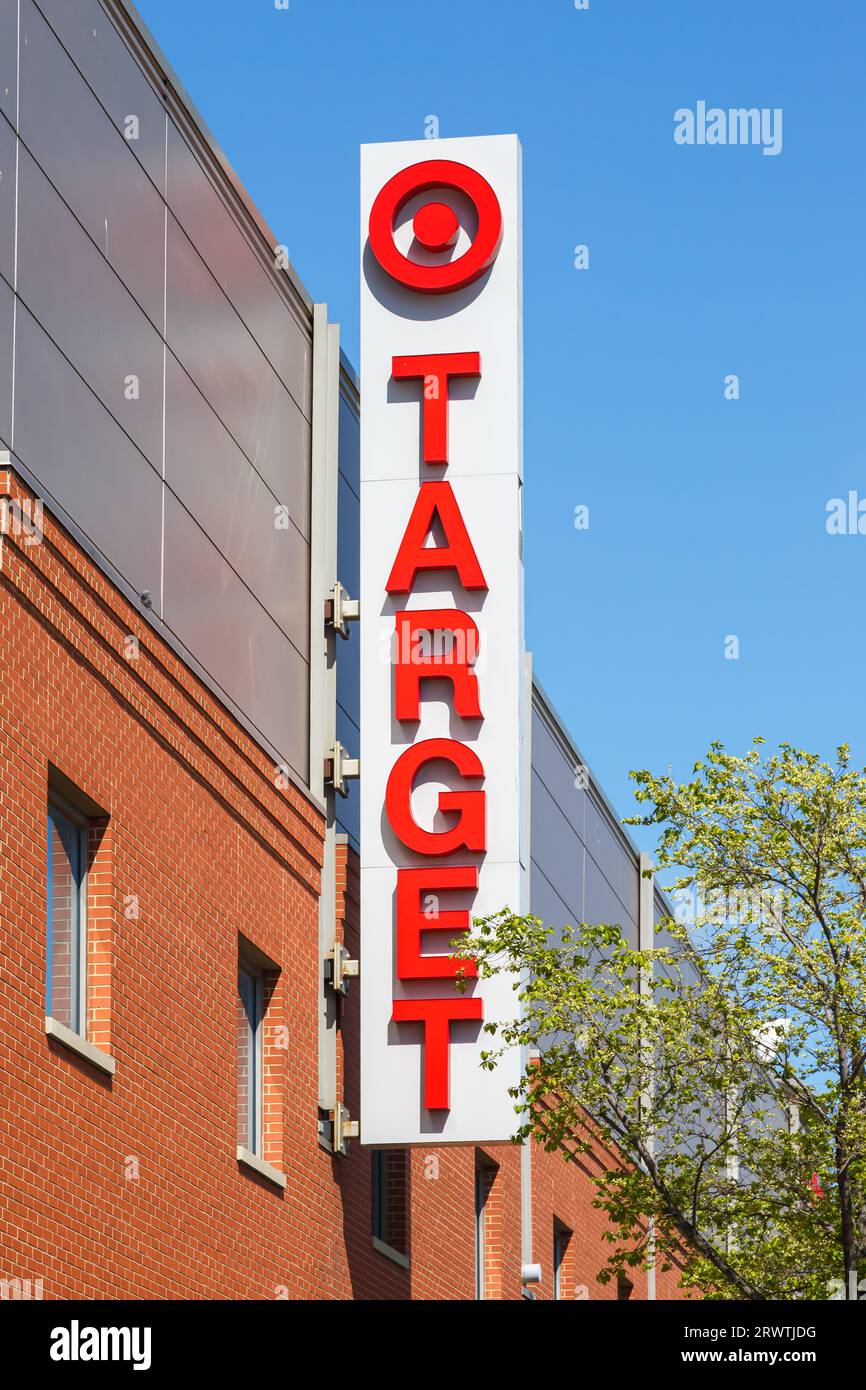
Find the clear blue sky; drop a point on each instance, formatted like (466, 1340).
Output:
(707, 516)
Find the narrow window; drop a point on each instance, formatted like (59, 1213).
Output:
(250, 1058)
(561, 1261)
(66, 951)
(390, 1190)
(380, 1194)
(480, 1203)
(488, 1232)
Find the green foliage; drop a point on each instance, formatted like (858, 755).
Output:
(725, 1066)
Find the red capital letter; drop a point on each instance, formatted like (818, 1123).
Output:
(435, 499)
(469, 832)
(412, 921)
(414, 665)
(436, 370)
(436, 1015)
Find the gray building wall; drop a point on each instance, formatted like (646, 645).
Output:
(349, 569)
(142, 257)
(139, 257)
(584, 867)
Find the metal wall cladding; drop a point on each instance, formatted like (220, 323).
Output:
(238, 270)
(210, 340)
(225, 495)
(5, 365)
(615, 860)
(349, 652)
(348, 569)
(348, 808)
(102, 57)
(220, 622)
(83, 459)
(602, 905)
(548, 905)
(349, 572)
(559, 774)
(174, 463)
(71, 289)
(7, 201)
(349, 449)
(579, 859)
(557, 852)
(664, 941)
(89, 162)
(8, 57)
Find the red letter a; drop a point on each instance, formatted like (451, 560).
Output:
(435, 499)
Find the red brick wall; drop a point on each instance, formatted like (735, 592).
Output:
(441, 1207)
(129, 1186)
(563, 1191)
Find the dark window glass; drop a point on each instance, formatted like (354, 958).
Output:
(66, 925)
(249, 1060)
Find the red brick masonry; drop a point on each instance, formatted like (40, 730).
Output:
(128, 1185)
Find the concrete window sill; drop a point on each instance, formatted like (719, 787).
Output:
(390, 1253)
(94, 1055)
(258, 1165)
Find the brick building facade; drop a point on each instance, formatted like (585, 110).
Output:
(127, 1184)
(174, 869)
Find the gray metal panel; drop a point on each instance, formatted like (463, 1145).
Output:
(619, 867)
(350, 445)
(8, 57)
(71, 289)
(557, 849)
(207, 336)
(349, 572)
(7, 199)
(5, 364)
(233, 625)
(348, 808)
(348, 569)
(348, 535)
(545, 902)
(84, 460)
(602, 905)
(558, 773)
(219, 487)
(99, 52)
(217, 618)
(663, 940)
(88, 161)
(235, 265)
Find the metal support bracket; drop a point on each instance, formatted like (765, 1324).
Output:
(340, 768)
(342, 969)
(343, 1129)
(340, 610)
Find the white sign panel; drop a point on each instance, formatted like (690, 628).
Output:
(442, 686)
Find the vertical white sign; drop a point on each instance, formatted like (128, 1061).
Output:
(442, 687)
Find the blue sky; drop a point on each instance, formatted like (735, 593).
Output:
(707, 516)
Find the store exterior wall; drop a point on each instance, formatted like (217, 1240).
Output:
(137, 284)
(584, 868)
(128, 1184)
(176, 356)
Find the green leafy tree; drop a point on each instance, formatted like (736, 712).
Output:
(726, 1065)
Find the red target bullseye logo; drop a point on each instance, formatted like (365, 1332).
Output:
(436, 226)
